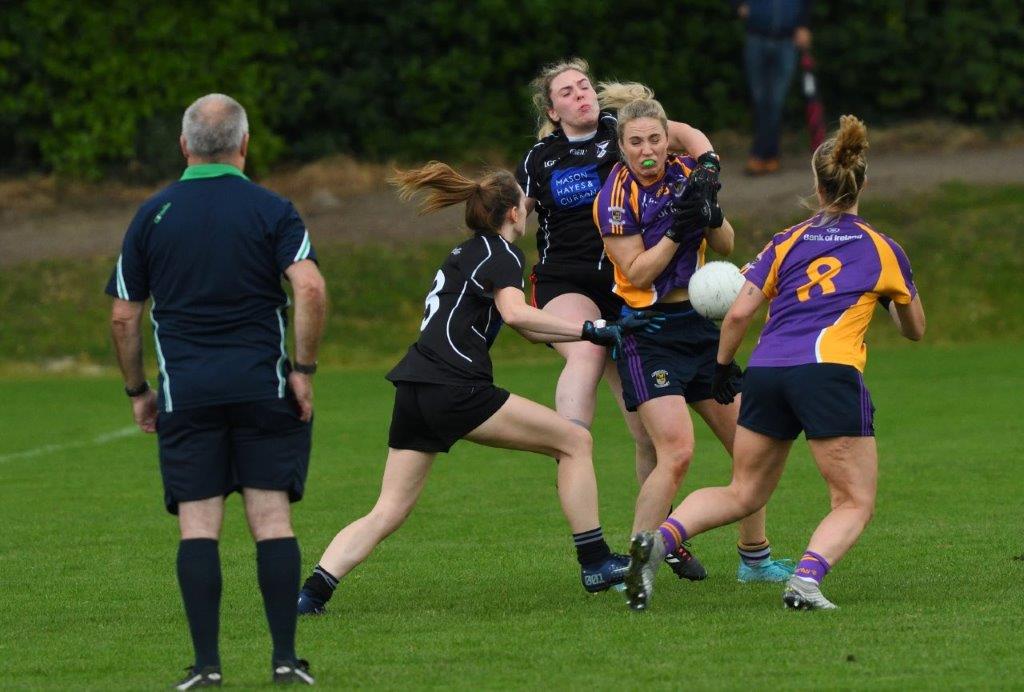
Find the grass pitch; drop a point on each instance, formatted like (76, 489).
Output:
(480, 588)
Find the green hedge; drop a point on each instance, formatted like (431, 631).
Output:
(91, 86)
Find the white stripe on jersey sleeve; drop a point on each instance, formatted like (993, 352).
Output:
(526, 167)
(122, 289)
(304, 247)
(472, 277)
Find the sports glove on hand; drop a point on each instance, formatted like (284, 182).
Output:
(647, 321)
(697, 207)
(724, 382)
(607, 335)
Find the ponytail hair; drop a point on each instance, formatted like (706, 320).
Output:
(615, 95)
(487, 200)
(541, 86)
(840, 165)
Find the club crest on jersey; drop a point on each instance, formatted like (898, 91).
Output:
(602, 148)
(616, 215)
(660, 378)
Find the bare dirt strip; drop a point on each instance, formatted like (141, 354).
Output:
(87, 227)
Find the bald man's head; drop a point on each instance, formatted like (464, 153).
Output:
(214, 126)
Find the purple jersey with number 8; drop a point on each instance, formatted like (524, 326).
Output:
(824, 277)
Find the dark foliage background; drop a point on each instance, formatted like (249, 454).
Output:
(92, 88)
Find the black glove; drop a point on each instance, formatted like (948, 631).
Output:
(608, 335)
(692, 212)
(724, 382)
(647, 321)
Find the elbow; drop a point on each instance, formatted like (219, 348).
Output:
(312, 290)
(914, 333)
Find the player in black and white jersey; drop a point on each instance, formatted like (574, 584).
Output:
(444, 388)
(561, 175)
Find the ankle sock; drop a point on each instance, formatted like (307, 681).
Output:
(812, 567)
(591, 547)
(753, 553)
(321, 584)
(673, 533)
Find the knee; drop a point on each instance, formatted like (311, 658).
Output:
(676, 460)
(579, 443)
(749, 497)
(265, 528)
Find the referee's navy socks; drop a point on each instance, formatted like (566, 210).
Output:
(199, 579)
(591, 547)
(277, 567)
(321, 584)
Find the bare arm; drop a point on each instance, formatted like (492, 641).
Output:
(126, 330)
(310, 311)
(909, 318)
(641, 266)
(684, 138)
(721, 239)
(535, 325)
(530, 204)
(737, 321)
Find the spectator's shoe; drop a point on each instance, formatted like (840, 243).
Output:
(759, 166)
(310, 603)
(766, 570)
(801, 594)
(604, 575)
(685, 564)
(646, 551)
(207, 676)
(293, 673)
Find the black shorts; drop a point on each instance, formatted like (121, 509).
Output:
(677, 361)
(822, 399)
(432, 417)
(216, 450)
(549, 283)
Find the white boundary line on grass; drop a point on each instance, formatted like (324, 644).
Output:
(49, 449)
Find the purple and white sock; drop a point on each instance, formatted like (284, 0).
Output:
(812, 567)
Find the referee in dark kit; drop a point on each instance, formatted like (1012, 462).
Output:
(231, 411)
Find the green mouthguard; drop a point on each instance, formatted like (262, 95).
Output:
(648, 163)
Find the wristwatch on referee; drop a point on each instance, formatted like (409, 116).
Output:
(133, 392)
(304, 369)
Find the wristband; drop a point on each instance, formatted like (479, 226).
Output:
(137, 391)
(304, 369)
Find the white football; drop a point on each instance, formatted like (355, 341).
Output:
(714, 287)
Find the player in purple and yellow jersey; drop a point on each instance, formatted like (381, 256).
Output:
(823, 278)
(444, 386)
(658, 213)
(561, 175)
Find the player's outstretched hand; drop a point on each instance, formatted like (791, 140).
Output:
(604, 335)
(647, 321)
(724, 383)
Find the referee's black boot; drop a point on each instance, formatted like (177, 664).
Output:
(293, 673)
(207, 676)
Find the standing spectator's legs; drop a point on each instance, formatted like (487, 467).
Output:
(769, 64)
(277, 565)
(199, 575)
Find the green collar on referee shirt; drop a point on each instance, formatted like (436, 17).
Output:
(211, 170)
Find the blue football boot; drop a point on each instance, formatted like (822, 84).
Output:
(767, 570)
(604, 575)
(310, 603)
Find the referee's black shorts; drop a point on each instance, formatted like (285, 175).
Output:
(432, 417)
(215, 450)
(821, 399)
(549, 282)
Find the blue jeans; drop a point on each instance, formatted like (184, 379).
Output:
(770, 63)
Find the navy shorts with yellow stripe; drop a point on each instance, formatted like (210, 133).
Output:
(210, 451)
(820, 399)
(432, 417)
(677, 361)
